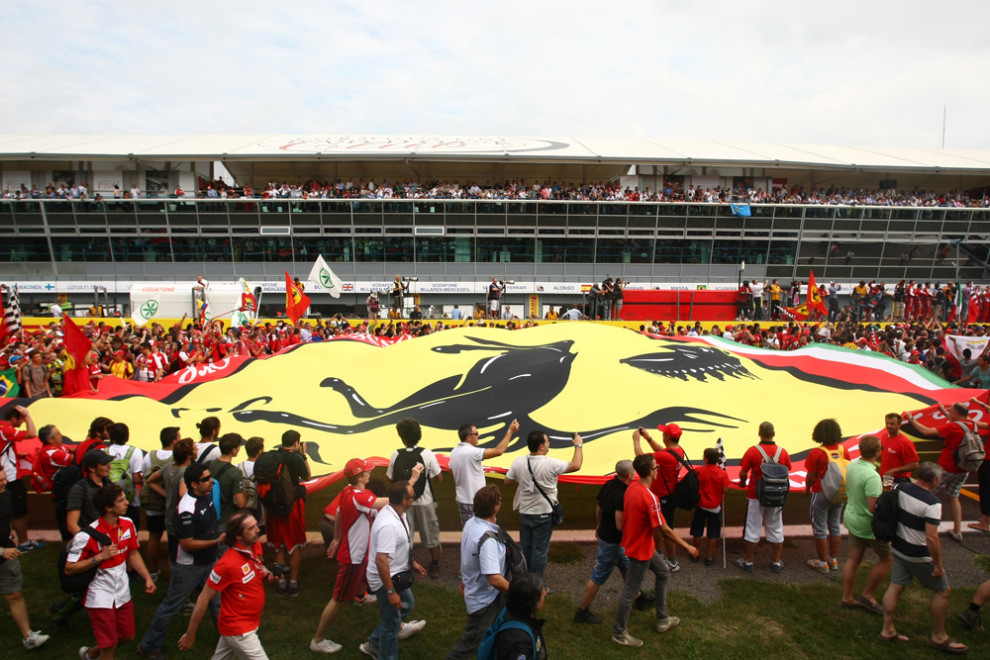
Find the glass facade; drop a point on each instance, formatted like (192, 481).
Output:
(838, 242)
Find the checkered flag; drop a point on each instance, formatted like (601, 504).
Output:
(721, 453)
(11, 313)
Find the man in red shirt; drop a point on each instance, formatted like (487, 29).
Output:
(239, 577)
(898, 456)
(108, 597)
(10, 437)
(669, 470)
(643, 530)
(952, 434)
(769, 518)
(352, 528)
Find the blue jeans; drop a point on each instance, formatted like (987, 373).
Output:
(181, 585)
(534, 537)
(608, 557)
(385, 636)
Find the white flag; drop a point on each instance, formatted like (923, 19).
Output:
(321, 275)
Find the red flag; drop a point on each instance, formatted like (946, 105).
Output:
(296, 302)
(77, 345)
(814, 299)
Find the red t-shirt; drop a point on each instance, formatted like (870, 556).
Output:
(952, 434)
(640, 516)
(356, 508)
(239, 578)
(817, 464)
(712, 480)
(50, 460)
(86, 445)
(668, 472)
(896, 451)
(752, 460)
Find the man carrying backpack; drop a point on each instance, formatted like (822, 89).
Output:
(423, 514)
(287, 532)
(770, 518)
(52, 457)
(228, 479)
(483, 571)
(80, 509)
(953, 433)
(125, 468)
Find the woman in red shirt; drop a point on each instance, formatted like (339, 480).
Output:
(826, 516)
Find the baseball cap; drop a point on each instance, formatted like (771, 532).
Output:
(673, 430)
(356, 466)
(96, 457)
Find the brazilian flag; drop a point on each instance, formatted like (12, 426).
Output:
(8, 383)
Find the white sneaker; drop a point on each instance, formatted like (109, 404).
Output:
(625, 639)
(34, 639)
(410, 628)
(326, 646)
(366, 599)
(368, 649)
(83, 653)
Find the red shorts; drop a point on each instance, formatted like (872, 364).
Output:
(112, 625)
(290, 531)
(350, 577)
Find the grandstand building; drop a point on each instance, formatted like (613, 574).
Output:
(862, 214)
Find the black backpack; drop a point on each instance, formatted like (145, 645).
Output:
(405, 461)
(63, 481)
(687, 493)
(515, 560)
(884, 523)
(275, 487)
(79, 582)
(774, 485)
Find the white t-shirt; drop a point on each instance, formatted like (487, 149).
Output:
(212, 454)
(389, 534)
(469, 474)
(247, 468)
(528, 499)
(432, 469)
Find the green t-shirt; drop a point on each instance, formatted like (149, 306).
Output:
(862, 481)
(230, 484)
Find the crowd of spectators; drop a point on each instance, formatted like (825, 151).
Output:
(603, 191)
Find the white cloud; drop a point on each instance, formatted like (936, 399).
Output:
(842, 73)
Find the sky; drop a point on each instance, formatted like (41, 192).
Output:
(866, 73)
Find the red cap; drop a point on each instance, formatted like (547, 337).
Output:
(356, 466)
(673, 430)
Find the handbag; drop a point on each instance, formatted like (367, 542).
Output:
(403, 580)
(555, 509)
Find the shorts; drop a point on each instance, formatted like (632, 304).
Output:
(424, 519)
(710, 519)
(18, 498)
(608, 557)
(826, 518)
(769, 518)
(289, 531)
(493, 305)
(882, 548)
(904, 572)
(667, 511)
(11, 578)
(952, 483)
(111, 626)
(155, 522)
(350, 577)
